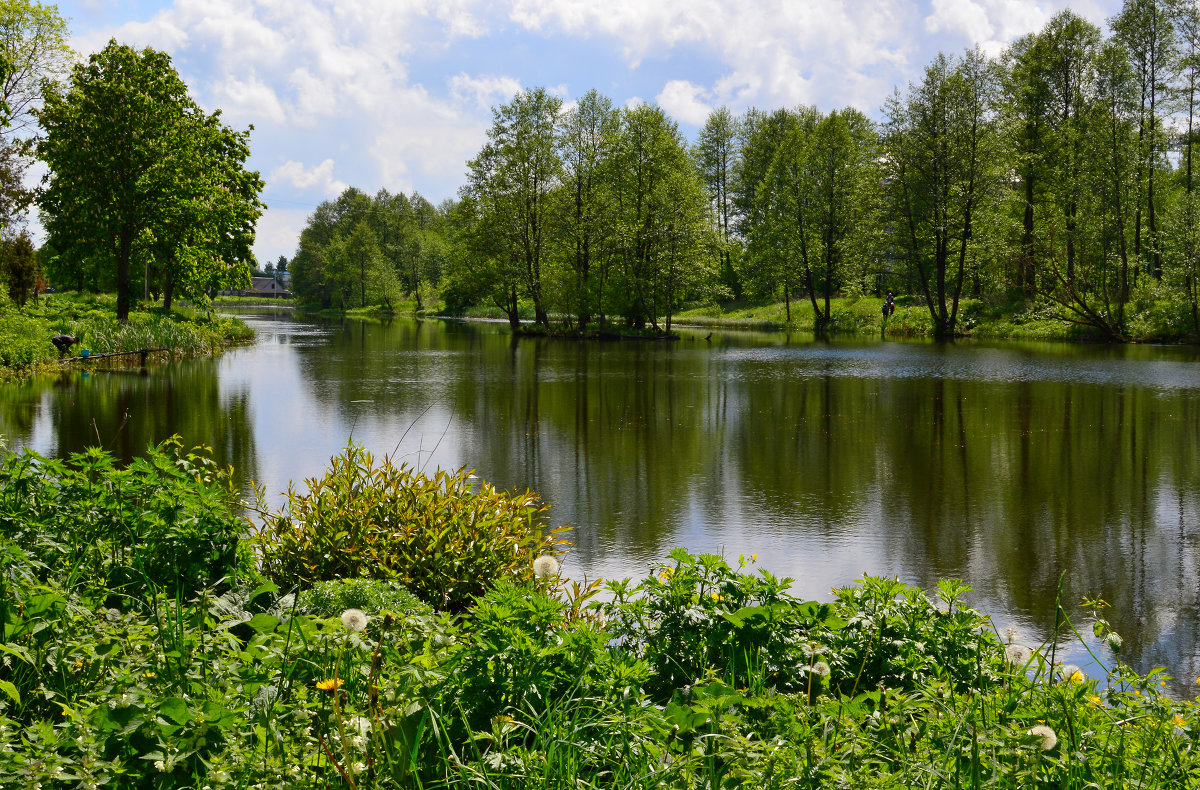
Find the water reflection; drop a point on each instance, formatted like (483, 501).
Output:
(1003, 464)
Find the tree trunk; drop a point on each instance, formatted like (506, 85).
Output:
(124, 249)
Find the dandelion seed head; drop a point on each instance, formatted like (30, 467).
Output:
(1018, 655)
(354, 620)
(545, 567)
(821, 668)
(1010, 635)
(1048, 738)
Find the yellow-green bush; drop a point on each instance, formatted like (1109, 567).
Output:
(440, 536)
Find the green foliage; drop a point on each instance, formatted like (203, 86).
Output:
(169, 521)
(373, 596)
(137, 167)
(442, 539)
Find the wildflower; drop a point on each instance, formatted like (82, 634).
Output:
(354, 620)
(1049, 739)
(359, 725)
(821, 668)
(754, 558)
(330, 685)
(1072, 674)
(716, 596)
(1179, 721)
(159, 765)
(1099, 703)
(149, 674)
(545, 566)
(1018, 655)
(1010, 635)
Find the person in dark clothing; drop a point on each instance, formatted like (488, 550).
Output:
(891, 304)
(63, 343)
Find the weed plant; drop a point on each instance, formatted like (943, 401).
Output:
(701, 675)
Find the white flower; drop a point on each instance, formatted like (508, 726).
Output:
(354, 620)
(1049, 739)
(159, 765)
(359, 725)
(1018, 655)
(545, 566)
(821, 668)
(1010, 635)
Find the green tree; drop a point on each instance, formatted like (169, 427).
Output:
(587, 137)
(511, 181)
(120, 141)
(941, 148)
(716, 153)
(1146, 29)
(21, 268)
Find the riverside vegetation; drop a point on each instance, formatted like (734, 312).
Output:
(25, 334)
(388, 629)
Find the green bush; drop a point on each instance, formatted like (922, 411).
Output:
(169, 521)
(373, 596)
(442, 539)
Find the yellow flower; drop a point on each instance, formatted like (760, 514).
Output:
(1077, 677)
(79, 663)
(1178, 721)
(717, 596)
(330, 685)
(754, 558)
(149, 674)
(1096, 701)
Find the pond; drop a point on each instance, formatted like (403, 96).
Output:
(1007, 465)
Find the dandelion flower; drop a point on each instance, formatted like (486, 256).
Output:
(1072, 674)
(354, 620)
(1099, 703)
(1018, 655)
(821, 668)
(545, 566)
(1049, 739)
(1179, 721)
(332, 684)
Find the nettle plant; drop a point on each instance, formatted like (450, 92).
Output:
(442, 537)
(696, 615)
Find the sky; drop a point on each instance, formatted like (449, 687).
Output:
(397, 94)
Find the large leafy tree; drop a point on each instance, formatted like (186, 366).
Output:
(131, 158)
(941, 150)
(511, 183)
(33, 52)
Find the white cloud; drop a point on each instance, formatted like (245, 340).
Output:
(279, 233)
(991, 24)
(681, 99)
(295, 174)
(484, 91)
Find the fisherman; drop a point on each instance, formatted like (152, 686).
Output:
(63, 343)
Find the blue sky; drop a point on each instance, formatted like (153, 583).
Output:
(397, 93)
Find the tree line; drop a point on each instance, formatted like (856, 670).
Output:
(1059, 173)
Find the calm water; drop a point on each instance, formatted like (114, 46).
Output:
(1005, 465)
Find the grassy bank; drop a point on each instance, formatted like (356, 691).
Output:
(1149, 319)
(145, 645)
(25, 334)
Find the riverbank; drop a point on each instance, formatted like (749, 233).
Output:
(1148, 322)
(25, 334)
(155, 654)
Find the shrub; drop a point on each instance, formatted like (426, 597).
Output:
(440, 538)
(373, 596)
(169, 521)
